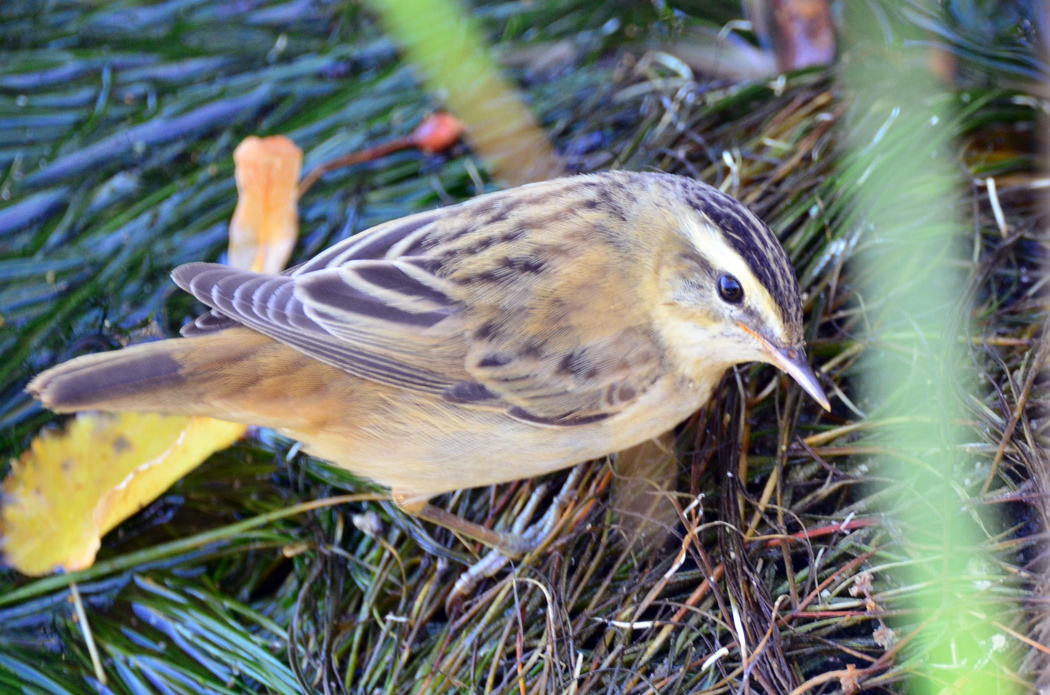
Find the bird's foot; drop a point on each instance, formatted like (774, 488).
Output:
(521, 540)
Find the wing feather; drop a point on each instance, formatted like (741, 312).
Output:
(267, 303)
(473, 302)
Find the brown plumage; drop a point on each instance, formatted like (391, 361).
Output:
(515, 334)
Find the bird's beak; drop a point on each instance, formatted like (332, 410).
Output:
(793, 361)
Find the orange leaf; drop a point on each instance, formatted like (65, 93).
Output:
(438, 132)
(265, 225)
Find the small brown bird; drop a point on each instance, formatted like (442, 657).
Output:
(512, 335)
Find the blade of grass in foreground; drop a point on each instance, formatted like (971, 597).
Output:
(440, 38)
(906, 120)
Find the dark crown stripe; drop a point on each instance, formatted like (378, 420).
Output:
(752, 239)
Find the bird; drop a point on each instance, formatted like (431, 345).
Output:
(515, 334)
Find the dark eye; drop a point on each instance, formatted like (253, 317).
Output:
(730, 290)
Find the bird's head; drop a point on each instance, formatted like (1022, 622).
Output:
(729, 290)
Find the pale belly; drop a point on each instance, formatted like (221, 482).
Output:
(432, 447)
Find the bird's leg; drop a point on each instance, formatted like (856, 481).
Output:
(531, 538)
(511, 544)
(516, 542)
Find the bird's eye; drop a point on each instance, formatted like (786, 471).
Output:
(730, 290)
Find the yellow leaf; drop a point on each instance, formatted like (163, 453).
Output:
(72, 487)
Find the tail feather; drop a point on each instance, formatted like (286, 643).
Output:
(94, 382)
(128, 379)
(235, 374)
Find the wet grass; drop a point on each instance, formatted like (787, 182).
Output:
(117, 123)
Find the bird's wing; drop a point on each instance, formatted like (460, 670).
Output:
(352, 307)
(571, 348)
(463, 303)
(372, 244)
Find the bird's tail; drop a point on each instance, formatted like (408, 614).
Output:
(234, 374)
(183, 376)
(118, 380)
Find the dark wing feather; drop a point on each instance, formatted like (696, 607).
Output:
(576, 376)
(375, 243)
(268, 304)
(208, 322)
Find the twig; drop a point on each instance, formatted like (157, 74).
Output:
(1022, 400)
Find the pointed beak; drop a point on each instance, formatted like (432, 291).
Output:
(793, 361)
